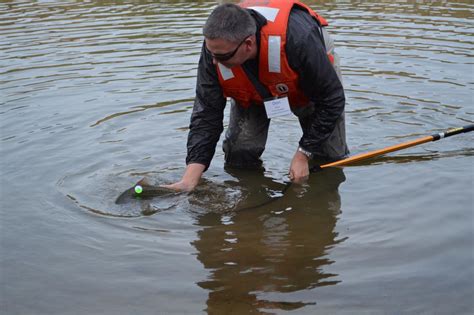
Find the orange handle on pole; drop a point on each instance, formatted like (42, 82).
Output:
(401, 146)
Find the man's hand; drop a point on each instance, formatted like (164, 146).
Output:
(299, 169)
(190, 179)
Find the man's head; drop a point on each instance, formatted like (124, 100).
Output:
(230, 35)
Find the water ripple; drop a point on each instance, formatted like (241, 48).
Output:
(51, 45)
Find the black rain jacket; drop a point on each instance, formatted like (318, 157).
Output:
(306, 55)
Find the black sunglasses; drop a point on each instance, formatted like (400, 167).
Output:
(226, 56)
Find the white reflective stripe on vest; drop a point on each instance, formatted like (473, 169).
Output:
(274, 64)
(269, 13)
(225, 72)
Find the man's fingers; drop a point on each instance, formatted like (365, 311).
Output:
(291, 175)
(298, 179)
(174, 187)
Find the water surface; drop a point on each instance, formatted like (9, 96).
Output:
(96, 95)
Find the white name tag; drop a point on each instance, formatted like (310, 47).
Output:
(277, 107)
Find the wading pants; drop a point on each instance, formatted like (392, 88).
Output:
(247, 132)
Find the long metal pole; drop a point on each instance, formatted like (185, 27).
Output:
(401, 146)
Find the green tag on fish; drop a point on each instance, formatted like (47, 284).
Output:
(138, 189)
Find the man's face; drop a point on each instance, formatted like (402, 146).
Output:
(228, 53)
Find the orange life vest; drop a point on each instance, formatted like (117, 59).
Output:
(274, 71)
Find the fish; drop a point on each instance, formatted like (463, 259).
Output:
(143, 190)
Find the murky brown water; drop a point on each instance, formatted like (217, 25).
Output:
(95, 95)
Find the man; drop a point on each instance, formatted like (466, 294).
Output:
(271, 58)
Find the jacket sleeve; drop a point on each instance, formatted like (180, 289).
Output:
(208, 112)
(317, 77)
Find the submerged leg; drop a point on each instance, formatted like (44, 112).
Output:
(246, 136)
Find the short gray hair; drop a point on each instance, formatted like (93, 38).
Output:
(230, 22)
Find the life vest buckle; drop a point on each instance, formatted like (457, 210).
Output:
(282, 88)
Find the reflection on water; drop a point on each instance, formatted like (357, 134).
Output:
(281, 248)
